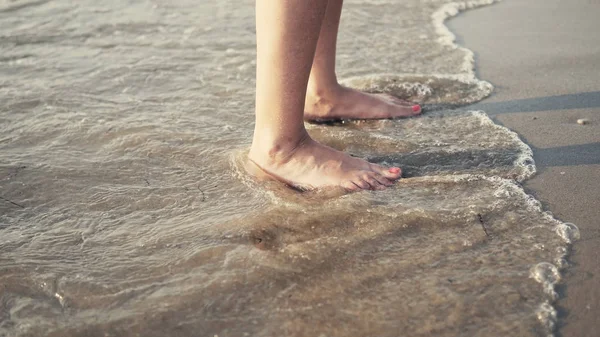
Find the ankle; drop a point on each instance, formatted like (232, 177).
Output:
(322, 98)
(266, 150)
(323, 90)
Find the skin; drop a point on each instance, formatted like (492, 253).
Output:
(326, 99)
(295, 79)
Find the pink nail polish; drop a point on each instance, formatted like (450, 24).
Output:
(416, 108)
(394, 170)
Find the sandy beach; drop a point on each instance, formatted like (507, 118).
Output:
(543, 58)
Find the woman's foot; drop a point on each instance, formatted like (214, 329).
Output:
(310, 165)
(346, 103)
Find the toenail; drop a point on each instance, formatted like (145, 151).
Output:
(416, 108)
(394, 170)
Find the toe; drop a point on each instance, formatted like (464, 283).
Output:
(402, 107)
(361, 183)
(369, 178)
(405, 111)
(350, 186)
(416, 108)
(382, 180)
(392, 173)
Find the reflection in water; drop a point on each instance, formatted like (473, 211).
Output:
(125, 210)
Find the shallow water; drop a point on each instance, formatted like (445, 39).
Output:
(125, 210)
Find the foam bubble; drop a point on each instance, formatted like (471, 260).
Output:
(568, 232)
(547, 315)
(548, 275)
(545, 273)
(561, 257)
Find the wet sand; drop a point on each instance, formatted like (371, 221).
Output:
(543, 59)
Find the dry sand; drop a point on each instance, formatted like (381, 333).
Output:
(543, 57)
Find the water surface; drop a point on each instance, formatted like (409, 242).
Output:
(125, 211)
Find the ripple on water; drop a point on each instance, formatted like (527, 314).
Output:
(124, 126)
(433, 91)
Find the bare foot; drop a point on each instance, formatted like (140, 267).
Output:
(346, 103)
(311, 165)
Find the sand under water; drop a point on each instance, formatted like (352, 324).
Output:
(125, 210)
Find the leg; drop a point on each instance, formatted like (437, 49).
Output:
(327, 99)
(287, 33)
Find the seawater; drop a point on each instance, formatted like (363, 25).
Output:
(125, 210)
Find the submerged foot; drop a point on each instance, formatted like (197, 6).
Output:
(311, 165)
(346, 103)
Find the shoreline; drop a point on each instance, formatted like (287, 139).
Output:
(543, 73)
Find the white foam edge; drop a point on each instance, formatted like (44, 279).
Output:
(545, 273)
(525, 159)
(546, 313)
(447, 38)
(484, 87)
(548, 316)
